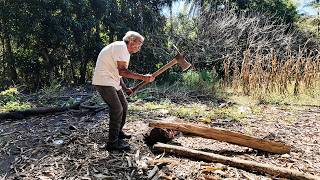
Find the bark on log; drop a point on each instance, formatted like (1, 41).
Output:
(226, 136)
(236, 162)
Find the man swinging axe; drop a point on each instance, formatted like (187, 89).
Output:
(112, 64)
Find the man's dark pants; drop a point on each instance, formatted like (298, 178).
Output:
(118, 107)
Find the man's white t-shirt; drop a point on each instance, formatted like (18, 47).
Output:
(106, 71)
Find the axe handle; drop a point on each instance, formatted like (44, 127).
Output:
(155, 74)
(165, 67)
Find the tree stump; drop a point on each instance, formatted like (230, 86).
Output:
(155, 135)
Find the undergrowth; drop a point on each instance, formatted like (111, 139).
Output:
(11, 99)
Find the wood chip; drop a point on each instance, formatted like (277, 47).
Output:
(129, 161)
(152, 172)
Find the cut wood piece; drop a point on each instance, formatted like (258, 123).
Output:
(153, 172)
(225, 135)
(236, 162)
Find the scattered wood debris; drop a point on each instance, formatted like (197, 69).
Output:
(64, 146)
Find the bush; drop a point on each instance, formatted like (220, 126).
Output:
(197, 79)
(15, 105)
(8, 95)
(10, 99)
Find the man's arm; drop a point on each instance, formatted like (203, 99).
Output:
(123, 85)
(123, 71)
(127, 90)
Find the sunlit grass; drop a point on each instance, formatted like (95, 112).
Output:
(306, 97)
(190, 112)
(16, 105)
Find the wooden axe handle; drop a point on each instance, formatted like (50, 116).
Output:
(155, 74)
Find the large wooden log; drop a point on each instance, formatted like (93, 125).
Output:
(226, 136)
(236, 162)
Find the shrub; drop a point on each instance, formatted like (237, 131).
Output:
(10, 99)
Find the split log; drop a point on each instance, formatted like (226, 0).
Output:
(236, 162)
(226, 136)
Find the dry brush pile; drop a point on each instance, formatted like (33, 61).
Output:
(212, 37)
(252, 52)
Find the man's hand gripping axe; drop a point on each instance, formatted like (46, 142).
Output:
(178, 59)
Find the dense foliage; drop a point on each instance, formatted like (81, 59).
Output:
(276, 8)
(59, 40)
(43, 41)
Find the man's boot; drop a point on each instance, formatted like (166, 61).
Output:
(119, 145)
(122, 135)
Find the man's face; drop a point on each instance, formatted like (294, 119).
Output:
(135, 45)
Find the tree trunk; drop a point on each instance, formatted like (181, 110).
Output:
(7, 49)
(235, 162)
(83, 71)
(226, 136)
(37, 84)
(3, 64)
(111, 35)
(10, 59)
(171, 18)
(49, 68)
(73, 72)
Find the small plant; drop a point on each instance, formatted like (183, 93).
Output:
(69, 102)
(10, 100)
(15, 105)
(191, 79)
(198, 80)
(53, 88)
(9, 95)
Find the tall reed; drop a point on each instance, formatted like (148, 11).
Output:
(264, 72)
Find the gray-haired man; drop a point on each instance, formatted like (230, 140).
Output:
(112, 64)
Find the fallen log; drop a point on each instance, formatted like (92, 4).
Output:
(225, 135)
(20, 114)
(236, 162)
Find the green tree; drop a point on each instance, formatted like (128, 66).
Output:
(316, 4)
(6, 27)
(42, 41)
(284, 9)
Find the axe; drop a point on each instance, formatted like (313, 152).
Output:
(178, 59)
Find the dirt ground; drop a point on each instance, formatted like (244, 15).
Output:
(65, 146)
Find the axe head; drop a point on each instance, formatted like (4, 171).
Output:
(183, 63)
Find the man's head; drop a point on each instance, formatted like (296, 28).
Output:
(134, 41)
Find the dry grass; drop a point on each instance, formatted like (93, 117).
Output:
(264, 73)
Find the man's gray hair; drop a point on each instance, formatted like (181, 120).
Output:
(131, 36)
